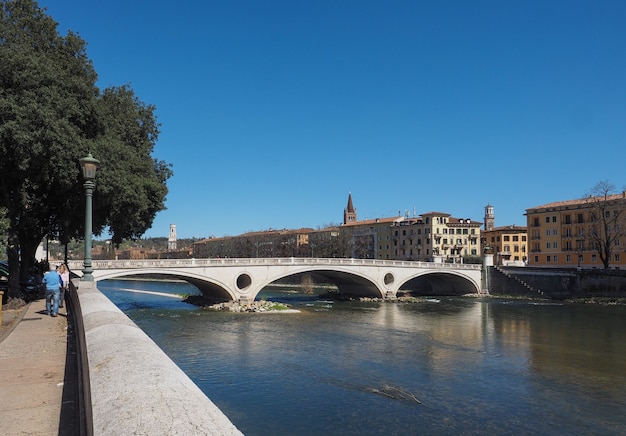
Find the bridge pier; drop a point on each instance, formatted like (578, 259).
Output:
(390, 296)
(245, 300)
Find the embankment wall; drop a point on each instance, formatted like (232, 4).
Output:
(557, 283)
(132, 386)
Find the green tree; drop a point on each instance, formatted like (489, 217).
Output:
(607, 220)
(51, 115)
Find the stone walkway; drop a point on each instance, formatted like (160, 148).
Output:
(38, 373)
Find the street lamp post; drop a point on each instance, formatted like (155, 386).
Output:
(88, 165)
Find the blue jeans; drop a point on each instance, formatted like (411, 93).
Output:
(55, 296)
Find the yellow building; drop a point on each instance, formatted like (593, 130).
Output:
(586, 233)
(436, 236)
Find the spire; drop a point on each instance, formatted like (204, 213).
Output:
(349, 213)
(350, 207)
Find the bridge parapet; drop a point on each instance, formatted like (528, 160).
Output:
(76, 265)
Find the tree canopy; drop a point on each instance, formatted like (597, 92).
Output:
(51, 115)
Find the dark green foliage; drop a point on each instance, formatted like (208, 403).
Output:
(51, 115)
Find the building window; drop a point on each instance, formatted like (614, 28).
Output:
(547, 245)
(555, 245)
(536, 259)
(506, 238)
(547, 232)
(547, 219)
(554, 219)
(555, 258)
(568, 258)
(616, 257)
(515, 238)
(580, 218)
(568, 219)
(523, 238)
(536, 222)
(548, 259)
(554, 232)
(594, 258)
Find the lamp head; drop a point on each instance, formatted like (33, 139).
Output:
(89, 165)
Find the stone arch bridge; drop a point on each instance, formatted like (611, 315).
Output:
(238, 279)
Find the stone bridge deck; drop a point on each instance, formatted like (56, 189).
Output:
(241, 279)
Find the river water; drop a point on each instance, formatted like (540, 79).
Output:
(439, 366)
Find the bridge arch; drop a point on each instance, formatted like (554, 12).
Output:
(209, 287)
(349, 283)
(440, 283)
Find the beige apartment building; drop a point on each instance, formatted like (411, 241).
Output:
(436, 236)
(585, 233)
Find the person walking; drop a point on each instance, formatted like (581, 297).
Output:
(64, 272)
(53, 282)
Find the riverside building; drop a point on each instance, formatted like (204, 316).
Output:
(434, 236)
(508, 244)
(585, 233)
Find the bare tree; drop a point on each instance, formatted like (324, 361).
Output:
(607, 220)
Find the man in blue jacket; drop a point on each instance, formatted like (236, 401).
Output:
(54, 283)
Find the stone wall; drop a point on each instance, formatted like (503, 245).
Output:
(556, 283)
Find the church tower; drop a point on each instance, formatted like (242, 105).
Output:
(349, 213)
(489, 218)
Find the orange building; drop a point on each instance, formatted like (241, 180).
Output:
(508, 244)
(586, 233)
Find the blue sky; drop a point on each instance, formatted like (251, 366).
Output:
(271, 112)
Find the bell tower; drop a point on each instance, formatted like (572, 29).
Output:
(171, 241)
(349, 213)
(489, 218)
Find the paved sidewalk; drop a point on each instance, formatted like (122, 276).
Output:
(38, 377)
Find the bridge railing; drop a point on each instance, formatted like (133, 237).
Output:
(77, 265)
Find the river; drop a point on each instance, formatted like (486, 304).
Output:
(440, 366)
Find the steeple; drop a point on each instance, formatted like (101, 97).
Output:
(349, 213)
